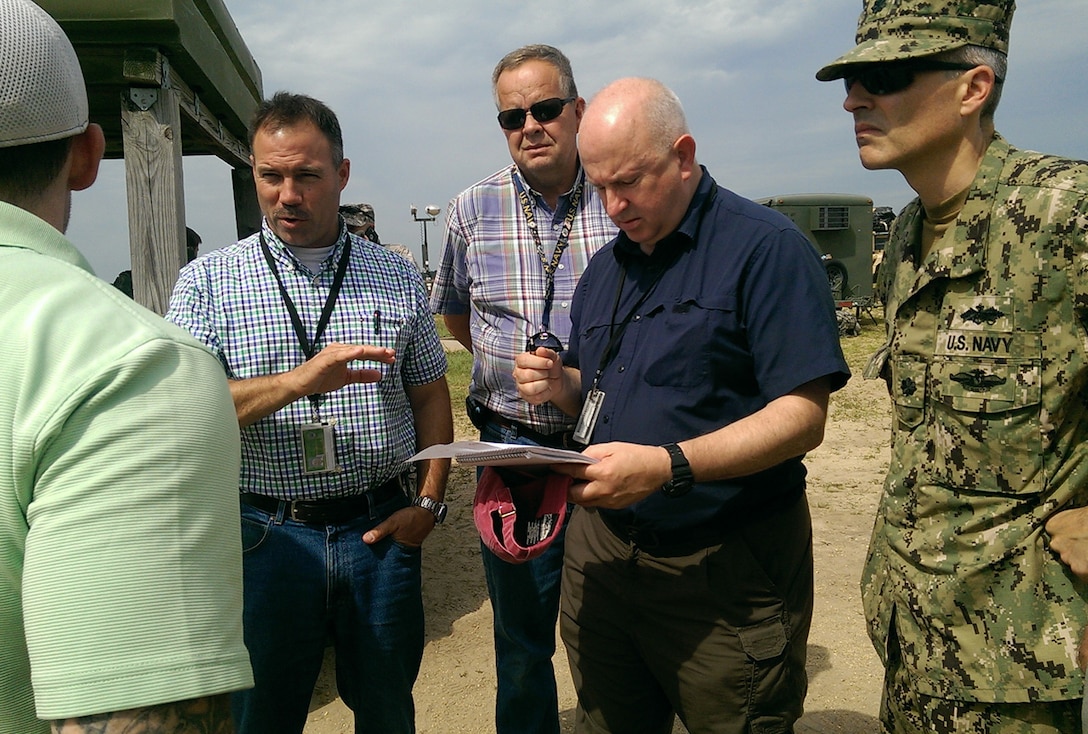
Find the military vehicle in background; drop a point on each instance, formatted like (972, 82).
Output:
(883, 216)
(840, 227)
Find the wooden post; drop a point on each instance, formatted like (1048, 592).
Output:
(151, 131)
(247, 211)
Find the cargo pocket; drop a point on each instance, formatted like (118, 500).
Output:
(776, 689)
(764, 641)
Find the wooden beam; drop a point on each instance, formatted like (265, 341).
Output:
(229, 148)
(247, 211)
(149, 67)
(198, 36)
(151, 130)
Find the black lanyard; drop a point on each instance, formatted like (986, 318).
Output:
(615, 331)
(560, 243)
(309, 348)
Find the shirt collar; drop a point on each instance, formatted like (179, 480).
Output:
(515, 171)
(278, 248)
(20, 228)
(685, 234)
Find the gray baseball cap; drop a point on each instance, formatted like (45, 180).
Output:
(42, 92)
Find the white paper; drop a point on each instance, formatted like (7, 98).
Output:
(486, 453)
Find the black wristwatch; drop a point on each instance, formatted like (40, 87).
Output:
(436, 508)
(682, 479)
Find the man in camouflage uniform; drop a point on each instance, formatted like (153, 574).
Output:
(359, 219)
(985, 285)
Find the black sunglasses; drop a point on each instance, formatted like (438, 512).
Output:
(544, 339)
(895, 76)
(542, 111)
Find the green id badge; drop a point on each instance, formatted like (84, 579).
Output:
(318, 448)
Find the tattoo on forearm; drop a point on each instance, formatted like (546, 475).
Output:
(208, 715)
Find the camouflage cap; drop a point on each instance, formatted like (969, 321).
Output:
(889, 30)
(357, 215)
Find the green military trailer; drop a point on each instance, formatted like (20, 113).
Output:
(840, 227)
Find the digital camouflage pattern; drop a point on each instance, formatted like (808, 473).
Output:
(357, 215)
(360, 220)
(987, 366)
(889, 30)
(905, 711)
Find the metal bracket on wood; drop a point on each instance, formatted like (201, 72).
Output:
(143, 97)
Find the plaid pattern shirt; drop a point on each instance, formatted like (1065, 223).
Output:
(492, 271)
(229, 300)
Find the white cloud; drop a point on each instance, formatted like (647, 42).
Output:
(410, 82)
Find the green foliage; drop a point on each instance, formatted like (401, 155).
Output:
(458, 376)
(864, 401)
(443, 332)
(858, 349)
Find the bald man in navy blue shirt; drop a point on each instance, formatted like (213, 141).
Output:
(703, 351)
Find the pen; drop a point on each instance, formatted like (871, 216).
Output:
(377, 321)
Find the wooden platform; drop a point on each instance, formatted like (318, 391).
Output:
(165, 79)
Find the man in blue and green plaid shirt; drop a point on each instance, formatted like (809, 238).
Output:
(331, 539)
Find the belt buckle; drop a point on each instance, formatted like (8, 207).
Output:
(293, 510)
(561, 440)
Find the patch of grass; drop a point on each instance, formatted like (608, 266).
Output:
(858, 349)
(859, 401)
(440, 324)
(458, 376)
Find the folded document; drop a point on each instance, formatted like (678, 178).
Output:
(487, 453)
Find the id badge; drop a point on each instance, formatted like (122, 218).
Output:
(587, 420)
(318, 448)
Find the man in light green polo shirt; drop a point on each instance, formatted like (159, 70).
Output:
(120, 551)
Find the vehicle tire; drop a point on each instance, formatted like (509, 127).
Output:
(836, 278)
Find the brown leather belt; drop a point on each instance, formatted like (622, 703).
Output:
(331, 511)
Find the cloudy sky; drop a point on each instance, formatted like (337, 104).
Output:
(410, 82)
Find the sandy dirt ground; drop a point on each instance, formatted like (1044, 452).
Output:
(456, 687)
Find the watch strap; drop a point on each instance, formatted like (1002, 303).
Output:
(433, 506)
(682, 477)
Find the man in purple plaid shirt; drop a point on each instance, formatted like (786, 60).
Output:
(516, 244)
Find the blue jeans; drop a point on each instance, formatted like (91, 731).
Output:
(525, 601)
(309, 584)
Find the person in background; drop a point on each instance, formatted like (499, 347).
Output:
(120, 552)
(986, 362)
(123, 281)
(515, 245)
(331, 534)
(359, 219)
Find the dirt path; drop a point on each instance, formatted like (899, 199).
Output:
(456, 686)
